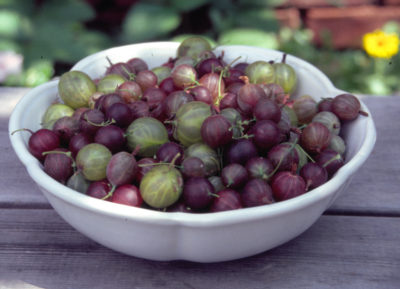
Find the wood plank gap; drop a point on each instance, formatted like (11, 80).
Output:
(336, 212)
(23, 206)
(331, 212)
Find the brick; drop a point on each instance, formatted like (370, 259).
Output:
(322, 3)
(289, 17)
(348, 25)
(391, 2)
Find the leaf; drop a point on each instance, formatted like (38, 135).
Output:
(20, 6)
(64, 43)
(260, 3)
(39, 72)
(391, 27)
(146, 22)
(94, 41)
(9, 45)
(66, 11)
(58, 41)
(253, 37)
(14, 25)
(158, 2)
(221, 21)
(377, 85)
(185, 6)
(224, 5)
(264, 19)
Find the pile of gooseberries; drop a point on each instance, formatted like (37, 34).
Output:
(195, 134)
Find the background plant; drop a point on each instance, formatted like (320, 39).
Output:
(53, 35)
(47, 34)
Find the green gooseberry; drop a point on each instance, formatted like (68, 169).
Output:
(162, 72)
(75, 88)
(146, 134)
(92, 160)
(330, 120)
(188, 120)
(193, 47)
(55, 112)
(337, 144)
(208, 155)
(109, 83)
(260, 72)
(285, 76)
(161, 186)
(78, 182)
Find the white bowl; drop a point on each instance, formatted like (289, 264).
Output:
(209, 237)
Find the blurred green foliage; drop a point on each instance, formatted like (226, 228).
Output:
(147, 21)
(55, 32)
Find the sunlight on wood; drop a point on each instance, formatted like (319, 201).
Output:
(6, 284)
(9, 97)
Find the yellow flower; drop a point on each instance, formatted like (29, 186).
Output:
(380, 44)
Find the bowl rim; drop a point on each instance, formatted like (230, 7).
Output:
(144, 215)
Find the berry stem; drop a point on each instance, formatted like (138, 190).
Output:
(307, 155)
(213, 195)
(104, 123)
(172, 163)
(172, 122)
(233, 61)
(247, 121)
(154, 164)
(131, 75)
(284, 58)
(109, 61)
(110, 193)
(220, 95)
(290, 149)
(22, 129)
(336, 157)
(245, 136)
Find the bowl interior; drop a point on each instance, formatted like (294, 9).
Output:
(360, 134)
(311, 80)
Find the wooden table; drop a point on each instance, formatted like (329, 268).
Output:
(355, 244)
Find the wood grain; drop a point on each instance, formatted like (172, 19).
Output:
(17, 187)
(39, 248)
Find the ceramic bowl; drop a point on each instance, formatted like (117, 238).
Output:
(209, 237)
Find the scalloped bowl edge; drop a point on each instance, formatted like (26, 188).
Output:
(209, 237)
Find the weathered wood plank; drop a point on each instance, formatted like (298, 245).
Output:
(17, 187)
(39, 248)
